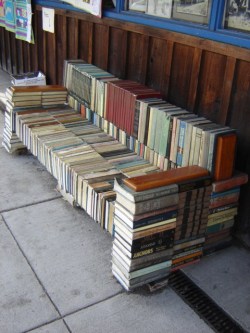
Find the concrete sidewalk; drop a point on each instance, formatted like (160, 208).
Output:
(55, 270)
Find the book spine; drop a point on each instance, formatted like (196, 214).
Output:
(197, 145)
(177, 131)
(235, 181)
(195, 184)
(184, 263)
(148, 251)
(157, 241)
(187, 258)
(223, 213)
(173, 138)
(180, 146)
(164, 135)
(151, 205)
(156, 194)
(152, 128)
(187, 145)
(220, 226)
(220, 201)
(223, 208)
(154, 219)
(220, 219)
(159, 129)
(225, 193)
(170, 130)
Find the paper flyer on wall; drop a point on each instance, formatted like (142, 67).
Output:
(2, 16)
(48, 15)
(23, 15)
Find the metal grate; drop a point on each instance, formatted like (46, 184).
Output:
(203, 305)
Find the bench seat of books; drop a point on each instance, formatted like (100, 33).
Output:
(118, 176)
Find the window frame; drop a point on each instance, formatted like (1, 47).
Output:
(213, 31)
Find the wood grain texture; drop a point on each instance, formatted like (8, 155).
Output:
(51, 58)
(137, 57)
(41, 41)
(20, 62)
(85, 41)
(117, 52)
(26, 57)
(226, 90)
(100, 46)
(61, 45)
(170, 48)
(194, 80)
(72, 38)
(209, 92)
(157, 65)
(8, 51)
(34, 47)
(13, 52)
(204, 44)
(239, 113)
(181, 71)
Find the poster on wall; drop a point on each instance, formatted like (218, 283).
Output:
(10, 20)
(192, 10)
(161, 8)
(138, 5)
(2, 15)
(16, 16)
(23, 14)
(93, 7)
(237, 15)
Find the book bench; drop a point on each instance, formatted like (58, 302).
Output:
(162, 213)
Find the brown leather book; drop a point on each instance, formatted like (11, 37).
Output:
(25, 89)
(238, 179)
(173, 176)
(224, 158)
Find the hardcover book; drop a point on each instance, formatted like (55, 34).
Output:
(164, 178)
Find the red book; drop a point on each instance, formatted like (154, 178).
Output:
(83, 110)
(224, 156)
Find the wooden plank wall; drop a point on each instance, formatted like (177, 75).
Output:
(209, 78)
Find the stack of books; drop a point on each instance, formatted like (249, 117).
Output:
(54, 96)
(22, 98)
(191, 223)
(144, 224)
(30, 96)
(223, 209)
(18, 96)
(146, 236)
